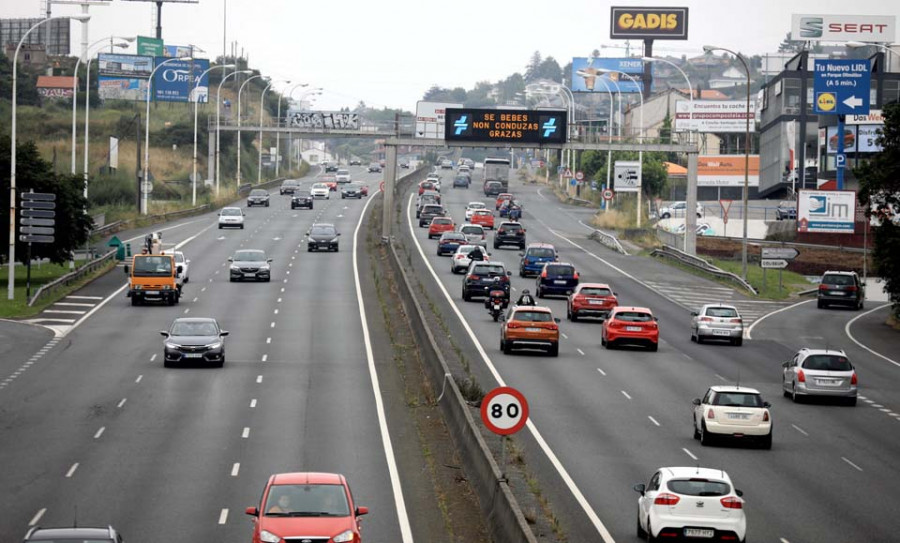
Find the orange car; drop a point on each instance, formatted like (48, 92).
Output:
(483, 217)
(591, 300)
(439, 225)
(530, 327)
(630, 325)
(503, 196)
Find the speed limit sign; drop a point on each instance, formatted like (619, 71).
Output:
(381, 186)
(504, 411)
(607, 194)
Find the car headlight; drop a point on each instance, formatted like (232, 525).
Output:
(215, 345)
(235, 267)
(333, 240)
(171, 345)
(264, 267)
(343, 537)
(269, 537)
(138, 287)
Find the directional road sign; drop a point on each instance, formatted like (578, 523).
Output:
(786, 253)
(36, 239)
(38, 213)
(504, 411)
(42, 196)
(841, 87)
(37, 222)
(770, 263)
(36, 230)
(31, 204)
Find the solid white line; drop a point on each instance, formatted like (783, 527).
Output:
(152, 358)
(652, 420)
(689, 453)
(99, 432)
(851, 463)
(801, 430)
(265, 357)
(580, 352)
(625, 394)
(70, 304)
(223, 516)
(85, 297)
(37, 517)
(252, 403)
(567, 479)
(71, 470)
(195, 299)
(64, 312)
(139, 377)
(399, 501)
(749, 330)
(235, 469)
(849, 335)
(186, 311)
(246, 433)
(720, 377)
(601, 372)
(121, 403)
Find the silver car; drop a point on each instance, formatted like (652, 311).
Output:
(474, 234)
(717, 321)
(820, 372)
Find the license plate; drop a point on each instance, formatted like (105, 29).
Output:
(249, 275)
(595, 302)
(532, 329)
(151, 292)
(323, 246)
(838, 293)
(633, 328)
(696, 532)
(559, 282)
(827, 383)
(738, 416)
(193, 355)
(721, 333)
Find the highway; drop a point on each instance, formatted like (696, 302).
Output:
(606, 420)
(97, 431)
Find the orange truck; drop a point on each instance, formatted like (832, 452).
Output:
(152, 277)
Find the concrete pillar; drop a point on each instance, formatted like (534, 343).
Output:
(390, 181)
(690, 213)
(211, 156)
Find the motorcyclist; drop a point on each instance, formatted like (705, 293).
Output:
(526, 298)
(476, 254)
(515, 211)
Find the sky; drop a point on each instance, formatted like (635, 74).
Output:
(389, 52)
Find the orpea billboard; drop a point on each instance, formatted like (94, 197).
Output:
(590, 75)
(173, 82)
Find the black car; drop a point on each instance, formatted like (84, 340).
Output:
(355, 162)
(841, 288)
(331, 167)
(509, 233)
(351, 191)
(404, 164)
(449, 242)
(322, 237)
(288, 187)
(493, 188)
(556, 278)
(194, 339)
(374, 168)
(80, 535)
(484, 276)
(428, 212)
(259, 197)
(250, 264)
(786, 210)
(461, 181)
(302, 198)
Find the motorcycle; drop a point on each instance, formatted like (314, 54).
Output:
(498, 300)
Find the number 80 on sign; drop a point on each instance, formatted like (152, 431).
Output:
(504, 411)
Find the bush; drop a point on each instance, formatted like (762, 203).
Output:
(107, 190)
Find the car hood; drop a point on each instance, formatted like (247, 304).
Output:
(249, 263)
(287, 527)
(192, 340)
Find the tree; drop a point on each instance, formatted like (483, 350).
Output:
(548, 69)
(533, 66)
(790, 45)
(880, 194)
(73, 225)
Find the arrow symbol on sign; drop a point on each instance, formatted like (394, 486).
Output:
(853, 102)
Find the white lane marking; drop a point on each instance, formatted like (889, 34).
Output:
(767, 315)
(276, 312)
(71, 470)
(851, 463)
(223, 516)
(689, 453)
(121, 403)
(652, 420)
(235, 469)
(272, 325)
(265, 357)
(246, 433)
(885, 410)
(268, 340)
(64, 312)
(801, 430)
(565, 336)
(139, 377)
(252, 403)
(625, 394)
(557, 464)
(783, 540)
(868, 401)
(99, 432)
(601, 372)
(70, 304)
(186, 311)
(203, 289)
(152, 358)
(195, 299)
(580, 352)
(37, 517)
(722, 378)
(259, 378)
(849, 335)
(878, 405)
(85, 297)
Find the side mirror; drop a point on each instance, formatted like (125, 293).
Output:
(521, 254)
(127, 269)
(640, 489)
(615, 293)
(224, 333)
(268, 260)
(556, 320)
(252, 511)
(740, 493)
(230, 259)
(696, 401)
(187, 261)
(767, 405)
(179, 269)
(163, 333)
(509, 273)
(786, 364)
(362, 510)
(339, 233)
(656, 319)
(694, 313)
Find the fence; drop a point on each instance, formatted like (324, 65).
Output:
(608, 240)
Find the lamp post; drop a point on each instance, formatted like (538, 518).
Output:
(746, 193)
(262, 103)
(609, 137)
(278, 133)
(12, 158)
(241, 90)
(87, 87)
(641, 121)
(145, 180)
(218, 111)
(196, 107)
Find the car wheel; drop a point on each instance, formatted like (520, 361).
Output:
(794, 397)
(220, 227)
(242, 227)
(861, 306)
(503, 347)
(221, 362)
(850, 402)
(267, 204)
(738, 342)
(166, 363)
(602, 341)
(766, 441)
(554, 350)
(574, 316)
(609, 345)
(465, 296)
(699, 338)
(521, 272)
(539, 292)
(666, 216)
(784, 391)
(705, 437)
(820, 304)
(654, 347)
(694, 426)
(134, 300)
(641, 533)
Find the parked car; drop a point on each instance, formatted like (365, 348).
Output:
(194, 339)
(302, 198)
(820, 372)
(460, 260)
(786, 210)
(841, 288)
(289, 186)
(249, 264)
(534, 258)
(231, 217)
(509, 233)
(259, 197)
(556, 278)
(484, 276)
(530, 327)
(591, 300)
(717, 321)
(627, 325)
(322, 237)
(732, 411)
(677, 209)
(449, 242)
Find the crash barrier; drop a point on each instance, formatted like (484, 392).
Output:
(72, 277)
(669, 238)
(667, 251)
(608, 240)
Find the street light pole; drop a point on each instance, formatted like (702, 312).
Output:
(746, 193)
(12, 158)
(640, 153)
(196, 107)
(240, 90)
(262, 103)
(218, 111)
(145, 180)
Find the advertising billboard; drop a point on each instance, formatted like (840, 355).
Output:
(174, 82)
(715, 116)
(123, 88)
(826, 211)
(430, 118)
(55, 34)
(505, 126)
(324, 119)
(111, 65)
(857, 139)
(590, 75)
(152, 47)
(726, 171)
(176, 51)
(648, 23)
(842, 28)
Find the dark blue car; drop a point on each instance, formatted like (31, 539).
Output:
(534, 258)
(449, 242)
(556, 278)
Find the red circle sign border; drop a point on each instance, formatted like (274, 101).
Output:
(487, 420)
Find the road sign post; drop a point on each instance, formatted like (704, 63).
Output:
(37, 225)
(504, 411)
(773, 255)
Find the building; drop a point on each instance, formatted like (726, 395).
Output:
(30, 54)
(661, 105)
(56, 87)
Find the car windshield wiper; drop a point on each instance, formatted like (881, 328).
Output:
(276, 514)
(304, 514)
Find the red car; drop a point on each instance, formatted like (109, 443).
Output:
(307, 507)
(502, 197)
(439, 225)
(426, 185)
(483, 217)
(364, 190)
(632, 326)
(330, 181)
(591, 300)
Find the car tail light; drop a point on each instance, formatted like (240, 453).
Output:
(852, 289)
(710, 414)
(705, 319)
(801, 377)
(504, 279)
(501, 231)
(544, 274)
(730, 502)
(460, 256)
(823, 287)
(666, 499)
(765, 416)
(575, 276)
(512, 324)
(472, 278)
(551, 326)
(853, 379)
(736, 321)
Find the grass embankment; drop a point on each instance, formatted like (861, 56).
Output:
(793, 283)
(40, 275)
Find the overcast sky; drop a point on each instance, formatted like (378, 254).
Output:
(388, 53)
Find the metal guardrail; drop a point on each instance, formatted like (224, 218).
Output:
(72, 277)
(608, 240)
(108, 228)
(668, 251)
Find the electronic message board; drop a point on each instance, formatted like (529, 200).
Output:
(505, 126)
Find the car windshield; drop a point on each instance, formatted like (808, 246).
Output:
(532, 316)
(320, 186)
(230, 211)
(249, 256)
(472, 229)
(452, 236)
(352, 186)
(490, 269)
(722, 312)
(698, 487)
(560, 270)
(290, 184)
(511, 226)
(595, 291)
(827, 362)
(258, 192)
(841, 280)
(483, 212)
(323, 231)
(153, 265)
(476, 205)
(541, 252)
(441, 221)
(431, 209)
(307, 501)
(179, 258)
(194, 328)
(343, 172)
(738, 399)
(634, 316)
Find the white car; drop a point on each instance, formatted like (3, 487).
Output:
(342, 176)
(320, 190)
(687, 503)
(732, 411)
(182, 267)
(460, 260)
(474, 234)
(717, 321)
(471, 207)
(231, 217)
(677, 209)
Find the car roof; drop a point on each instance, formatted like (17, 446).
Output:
(733, 388)
(230, 207)
(723, 306)
(516, 223)
(622, 308)
(835, 272)
(704, 473)
(475, 204)
(194, 319)
(470, 225)
(79, 533)
(809, 352)
(322, 224)
(303, 478)
(559, 264)
(540, 308)
(541, 246)
(594, 285)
